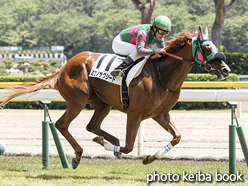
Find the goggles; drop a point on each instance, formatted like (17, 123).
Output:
(162, 32)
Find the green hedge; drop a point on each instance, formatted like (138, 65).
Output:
(33, 105)
(178, 106)
(16, 78)
(238, 62)
(209, 77)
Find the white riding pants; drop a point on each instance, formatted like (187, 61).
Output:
(124, 48)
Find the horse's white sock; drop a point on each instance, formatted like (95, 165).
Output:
(110, 147)
(163, 151)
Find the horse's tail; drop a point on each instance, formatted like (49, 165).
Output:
(30, 86)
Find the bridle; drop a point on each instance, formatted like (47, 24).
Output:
(207, 63)
(194, 62)
(183, 59)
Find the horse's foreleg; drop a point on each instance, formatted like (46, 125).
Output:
(133, 123)
(72, 111)
(94, 126)
(166, 122)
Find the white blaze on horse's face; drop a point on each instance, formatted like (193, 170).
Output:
(218, 68)
(217, 63)
(225, 67)
(223, 72)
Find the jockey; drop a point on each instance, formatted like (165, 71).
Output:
(134, 42)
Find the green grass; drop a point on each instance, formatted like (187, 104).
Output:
(28, 171)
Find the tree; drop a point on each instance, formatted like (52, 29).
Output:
(23, 38)
(9, 63)
(235, 39)
(2, 69)
(145, 9)
(201, 8)
(46, 67)
(25, 66)
(91, 25)
(217, 29)
(55, 63)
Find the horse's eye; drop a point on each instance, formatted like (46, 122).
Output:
(208, 49)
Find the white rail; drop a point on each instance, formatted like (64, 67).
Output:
(187, 95)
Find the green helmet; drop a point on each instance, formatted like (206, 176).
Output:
(162, 22)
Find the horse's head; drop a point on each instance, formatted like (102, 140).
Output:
(206, 54)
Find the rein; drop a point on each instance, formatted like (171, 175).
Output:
(183, 59)
(172, 55)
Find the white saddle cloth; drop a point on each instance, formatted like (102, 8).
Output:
(106, 63)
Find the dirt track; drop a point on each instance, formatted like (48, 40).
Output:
(204, 133)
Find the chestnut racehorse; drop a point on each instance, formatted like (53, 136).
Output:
(152, 94)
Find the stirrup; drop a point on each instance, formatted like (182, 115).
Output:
(117, 73)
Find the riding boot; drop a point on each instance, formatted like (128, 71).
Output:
(119, 71)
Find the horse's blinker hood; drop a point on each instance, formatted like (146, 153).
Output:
(198, 43)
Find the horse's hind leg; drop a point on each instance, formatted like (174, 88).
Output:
(72, 111)
(73, 85)
(166, 122)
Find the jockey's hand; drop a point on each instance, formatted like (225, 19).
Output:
(160, 51)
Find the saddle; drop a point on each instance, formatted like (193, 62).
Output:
(107, 63)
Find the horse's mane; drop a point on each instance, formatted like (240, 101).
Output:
(180, 40)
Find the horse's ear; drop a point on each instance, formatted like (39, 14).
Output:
(206, 31)
(200, 36)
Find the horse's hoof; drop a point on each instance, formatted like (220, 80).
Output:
(118, 155)
(97, 139)
(146, 160)
(74, 164)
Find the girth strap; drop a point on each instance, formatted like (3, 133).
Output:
(124, 92)
(124, 88)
